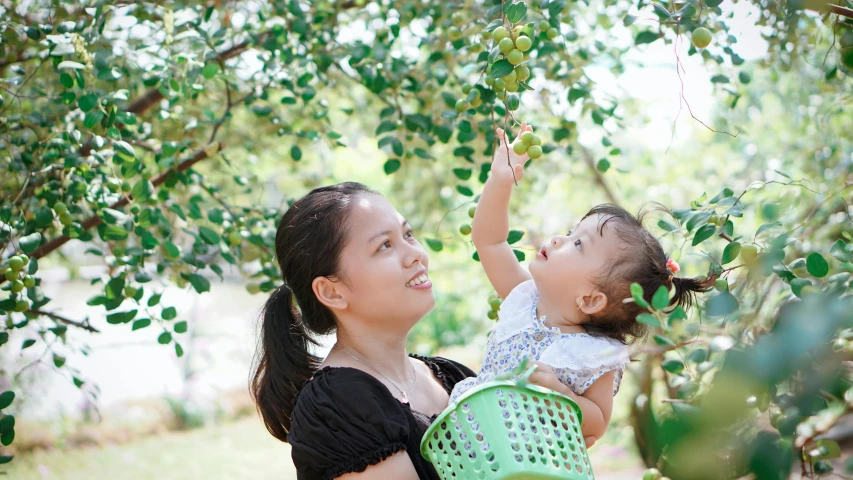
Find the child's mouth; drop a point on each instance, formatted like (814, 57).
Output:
(543, 253)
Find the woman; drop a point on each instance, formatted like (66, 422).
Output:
(352, 265)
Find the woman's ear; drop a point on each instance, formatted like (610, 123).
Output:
(592, 303)
(327, 292)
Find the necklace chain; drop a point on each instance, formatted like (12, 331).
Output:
(402, 392)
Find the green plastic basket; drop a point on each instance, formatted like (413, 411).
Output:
(508, 429)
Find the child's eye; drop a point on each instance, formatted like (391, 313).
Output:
(569, 234)
(579, 245)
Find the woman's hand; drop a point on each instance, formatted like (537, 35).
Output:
(506, 161)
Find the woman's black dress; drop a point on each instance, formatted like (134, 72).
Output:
(345, 420)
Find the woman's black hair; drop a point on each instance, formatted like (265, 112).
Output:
(308, 244)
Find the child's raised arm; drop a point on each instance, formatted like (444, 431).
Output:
(491, 218)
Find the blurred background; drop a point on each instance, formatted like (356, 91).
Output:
(174, 134)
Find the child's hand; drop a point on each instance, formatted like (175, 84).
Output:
(544, 376)
(506, 161)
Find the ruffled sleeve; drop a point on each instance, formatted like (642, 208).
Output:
(344, 420)
(516, 311)
(583, 359)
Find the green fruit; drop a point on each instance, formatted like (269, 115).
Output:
(499, 84)
(476, 102)
(461, 105)
(454, 33)
(748, 253)
(135, 209)
(234, 238)
(527, 138)
(16, 263)
(487, 35)
(552, 33)
(520, 148)
(652, 474)
(471, 211)
(512, 87)
(11, 275)
(29, 281)
(721, 284)
(701, 37)
(536, 140)
(534, 152)
(493, 315)
(477, 93)
(744, 77)
(17, 286)
(253, 288)
(544, 25)
(22, 306)
(126, 187)
(66, 219)
(465, 229)
(515, 56)
(512, 102)
(822, 466)
(490, 81)
(523, 43)
(60, 208)
(495, 303)
(130, 292)
(522, 73)
(510, 77)
(506, 45)
(466, 88)
(500, 33)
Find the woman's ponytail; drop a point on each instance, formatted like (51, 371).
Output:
(283, 362)
(308, 244)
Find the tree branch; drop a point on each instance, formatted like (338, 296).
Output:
(95, 220)
(59, 318)
(599, 179)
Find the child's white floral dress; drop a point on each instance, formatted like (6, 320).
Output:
(579, 359)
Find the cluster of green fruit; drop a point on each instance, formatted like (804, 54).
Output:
(18, 283)
(512, 45)
(465, 228)
(495, 304)
(529, 143)
(65, 218)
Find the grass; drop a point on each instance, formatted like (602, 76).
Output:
(238, 450)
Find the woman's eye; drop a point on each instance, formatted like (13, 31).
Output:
(385, 245)
(569, 234)
(578, 244)
(409, 234)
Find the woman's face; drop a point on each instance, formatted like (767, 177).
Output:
(383, 267)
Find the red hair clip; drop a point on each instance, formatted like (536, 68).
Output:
(672, 266)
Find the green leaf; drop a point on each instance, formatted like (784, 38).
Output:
(576, 94)
(816, 265)
(391, 166)
(165, 338)
(6, 459)
(719, 78)
(210, 70)
(6, 399)
(142, 190)
(516, 12)
(603, 165)
(465, 190)
(704, 233)
(519, 255)
(115, 232)
(434, 245)
(386, 126)
(124, 149)
(677, 314)
(501, 68)
(672, 365)
(514, 236)
(199, 283)
(140, 323)
(58, 360)
(181, 327)
(66, 80)
(840, 252)
(697, 219)
(831, 447)
(637, 293)
(7, 438)
(731, 252)
(296, 153)
(30, 242)
(27, 343)
(629, 20)
(661, 11)
(169, 313)
(667, 226)
(209, 236)
(646, 37)
(721, 305)
(71, 65)
(648, 319)
(462, 173)
(660, 300)
(179, 350)
(797, 285)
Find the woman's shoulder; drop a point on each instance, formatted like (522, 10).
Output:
(448, 372)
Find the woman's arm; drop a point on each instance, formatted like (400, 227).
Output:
(396, 466)
(596, 403)
(491, 219)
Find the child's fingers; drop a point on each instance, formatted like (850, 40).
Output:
(501, 135)
(520, 131)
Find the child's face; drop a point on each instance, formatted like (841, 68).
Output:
(564, 269)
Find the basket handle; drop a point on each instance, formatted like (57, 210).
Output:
(521, 373)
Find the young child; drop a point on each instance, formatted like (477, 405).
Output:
(569, 314)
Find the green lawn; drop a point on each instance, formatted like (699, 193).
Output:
(239, 450)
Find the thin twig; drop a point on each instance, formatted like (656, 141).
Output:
(84, 324)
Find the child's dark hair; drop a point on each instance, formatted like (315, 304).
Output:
(308, 244)
(643, 261)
